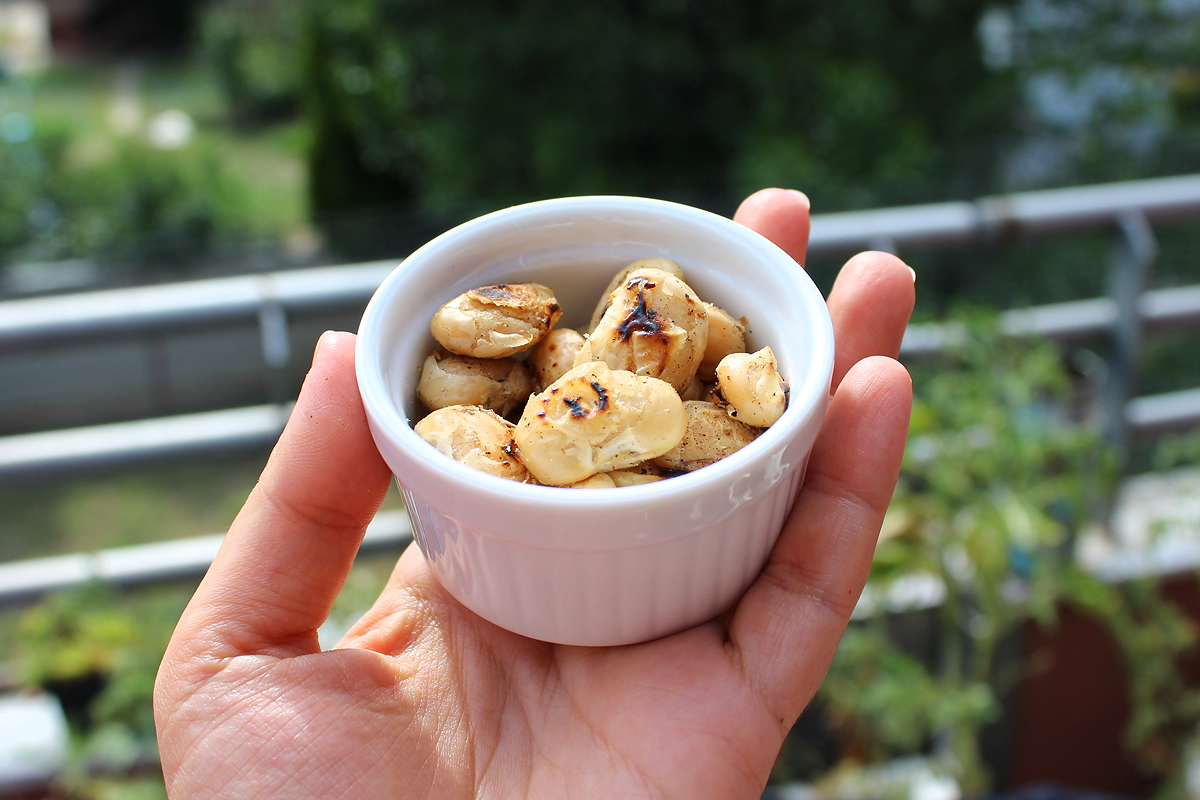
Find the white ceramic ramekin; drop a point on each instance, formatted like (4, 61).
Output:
(597, 566)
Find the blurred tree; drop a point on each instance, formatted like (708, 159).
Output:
(998, 477)
(137, 206)
(460, 107)
(1110, 89)
(251, 45)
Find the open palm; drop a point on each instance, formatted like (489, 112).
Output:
(424, 699)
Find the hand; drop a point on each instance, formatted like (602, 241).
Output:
(424, 699)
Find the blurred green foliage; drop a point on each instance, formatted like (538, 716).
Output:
(128, 202)
(470, 104)
(1177, 451)
(998, 478)
(98, 649)
(251, 46)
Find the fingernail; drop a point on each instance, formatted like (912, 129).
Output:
(914, 273)
(320, 344)
(802, 196)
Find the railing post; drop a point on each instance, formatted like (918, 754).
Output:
(276, 349)
(1133, 254)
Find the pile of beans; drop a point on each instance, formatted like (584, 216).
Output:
(661, 384)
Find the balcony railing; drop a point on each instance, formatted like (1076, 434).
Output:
(270, 304)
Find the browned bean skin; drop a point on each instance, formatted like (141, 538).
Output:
(475, 437)
(448, 379)
(711, 435)
(664, 264)
(655, 326)
(595, 419)
(496, 321)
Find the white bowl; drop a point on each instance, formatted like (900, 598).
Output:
(597, 566)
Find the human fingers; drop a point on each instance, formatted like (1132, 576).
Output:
(870, 304)
(786, 628)
(287, 554)
(781, 215)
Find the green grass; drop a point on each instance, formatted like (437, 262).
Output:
(269, 163)
(129, 507)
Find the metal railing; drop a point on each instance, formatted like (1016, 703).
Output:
(1124, 317)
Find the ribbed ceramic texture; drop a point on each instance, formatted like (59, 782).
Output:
(602, 597)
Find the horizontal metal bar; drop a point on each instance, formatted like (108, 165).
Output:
(161, 562)
(186, 303)
(1160, 310)
(1163, 413)
(57, 452)
(1025, 213)
(1165, 309)
(31, 454)
(937, 223)
(193, 302)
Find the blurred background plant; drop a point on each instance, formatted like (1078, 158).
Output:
(148, 142)
(1000, 476)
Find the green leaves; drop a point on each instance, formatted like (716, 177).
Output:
(997, 478)
(472, 104)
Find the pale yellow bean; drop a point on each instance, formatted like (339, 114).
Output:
(726, 335)
(751, 389)
(554, 355)
(496, 321)
(600, 481)
(595, 419)
(448, 379)
(636, 476)
(475, 437)
(655, 326)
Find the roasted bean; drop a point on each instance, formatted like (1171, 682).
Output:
(726, 335)
(447, 379)
(476, 437)
(655, 326)
(595, 419)
(665, 264)
(554, 355)
(750, 388)
(635, 476)
(599, 481)
(496, 321)
(693, 391)
(711, 435)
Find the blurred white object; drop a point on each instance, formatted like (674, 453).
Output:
(33, 741)
(997, 37)
(912, 778)
(125, 116)
(170, 130)
(24, 36)
(1155, 528)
